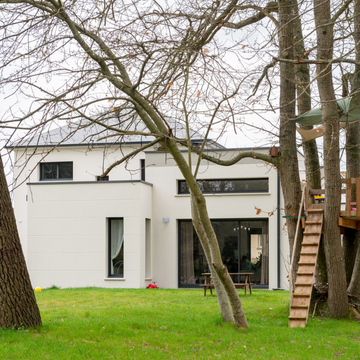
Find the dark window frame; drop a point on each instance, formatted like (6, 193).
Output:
(142, 168)
(109, 275)
(180, 192)
(196, 286)
(57, 170)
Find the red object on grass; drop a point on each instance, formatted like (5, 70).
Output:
(152, 286)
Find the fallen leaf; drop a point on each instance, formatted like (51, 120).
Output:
(258, 211)
(171, 84)
(205, 51)
(198, 93)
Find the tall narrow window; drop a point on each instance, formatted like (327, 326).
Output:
(142, 167)
(147, 248)
(116, 247)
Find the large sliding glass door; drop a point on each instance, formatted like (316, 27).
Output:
(244, 246)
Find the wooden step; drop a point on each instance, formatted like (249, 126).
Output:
(312, 253)
(306, 263)
(313, 222)
(312, 233)
(310, 244)
(303, 284)
(301, 295)
(305, 273)
(297, 317)
(299, 306)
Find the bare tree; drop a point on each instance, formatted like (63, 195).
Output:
(148, 64)
(78, 60)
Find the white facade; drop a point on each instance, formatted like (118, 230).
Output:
(63, 224)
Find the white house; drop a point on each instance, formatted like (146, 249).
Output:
(135, 227)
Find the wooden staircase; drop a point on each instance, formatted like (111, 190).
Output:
(300, 300)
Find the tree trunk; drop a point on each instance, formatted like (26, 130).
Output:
(220, 268)
(288, 162)
(352, 237)
(219, 287)
(321, 273)
(312, 165)
(208, 234)
(337, 301)
(303, 92)
(351, 246)
(354, 286)
(17, 300)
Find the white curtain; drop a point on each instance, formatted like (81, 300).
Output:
(117, 239)
(187, 253)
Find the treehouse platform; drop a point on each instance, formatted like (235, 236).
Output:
(350, 217)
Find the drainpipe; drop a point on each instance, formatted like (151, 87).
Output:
(278, 229)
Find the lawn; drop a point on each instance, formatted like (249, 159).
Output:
(94, 323)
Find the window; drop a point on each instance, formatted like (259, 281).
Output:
(56, 171)
(116, 247)
(238, 242)
(227, 186)
(142, 167)
(147, 249)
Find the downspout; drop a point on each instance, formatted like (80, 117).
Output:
(278, 230)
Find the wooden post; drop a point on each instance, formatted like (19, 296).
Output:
(358, 197)
(348, 197)
(306, 197)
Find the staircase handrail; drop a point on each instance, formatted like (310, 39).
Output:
(305, 190)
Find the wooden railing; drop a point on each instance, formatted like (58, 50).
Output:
(304, 204)
(351, 208)
(305, 194)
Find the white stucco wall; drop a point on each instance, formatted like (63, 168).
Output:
(63, 227)
(167, 203)
(68, 237)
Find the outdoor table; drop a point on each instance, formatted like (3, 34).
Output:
(240, 285)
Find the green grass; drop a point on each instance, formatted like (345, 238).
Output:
(95, 323)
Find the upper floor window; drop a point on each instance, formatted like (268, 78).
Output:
(56, 171)
(210, 186)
